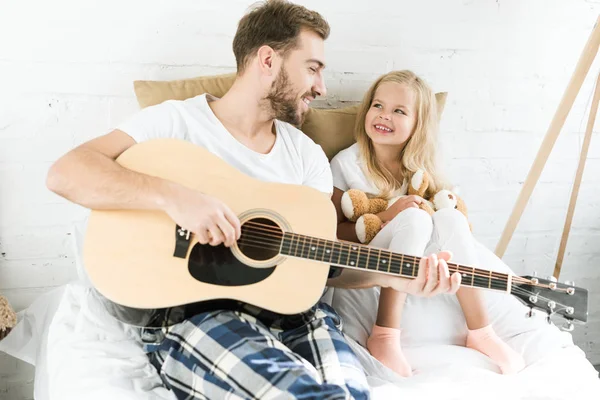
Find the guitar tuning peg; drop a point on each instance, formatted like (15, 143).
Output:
(567, 326)
(534, 274)
(548, 320)
(570, 283)
(529, 313)
(552, 279)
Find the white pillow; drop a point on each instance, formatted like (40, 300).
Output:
(438, 320)
(78, 234)
(93, 356)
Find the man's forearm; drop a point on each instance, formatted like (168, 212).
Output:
(355, 279)
(95, 181)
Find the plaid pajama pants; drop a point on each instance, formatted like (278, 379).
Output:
(227, 354)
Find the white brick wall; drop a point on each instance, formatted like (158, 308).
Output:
(66, 69)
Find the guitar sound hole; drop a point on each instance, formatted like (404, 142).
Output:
(261, 239)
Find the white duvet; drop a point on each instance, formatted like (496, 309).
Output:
(80, 352)
(89, 355)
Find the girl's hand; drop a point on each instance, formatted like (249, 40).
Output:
(412, 201)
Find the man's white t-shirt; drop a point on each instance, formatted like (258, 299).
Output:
(294, 158)
(348, 170)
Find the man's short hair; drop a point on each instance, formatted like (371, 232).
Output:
(275, 23)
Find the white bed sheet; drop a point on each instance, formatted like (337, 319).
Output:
(556, 369)
(92, 356)
(80, 352)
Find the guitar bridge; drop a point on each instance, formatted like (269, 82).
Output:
(182, 242)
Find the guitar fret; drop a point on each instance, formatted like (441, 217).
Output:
(283, 244)
(348, 258)
(372, 262)
(352, 249)
(464, 276)
(401, 266)
(360, 257)
(408, 266)
(393, 266)
(320, 248)
(306, 248)
(363, 258)
(497, 283)
(479, 281)
(297, 240)
(297, 243)
(303, 245)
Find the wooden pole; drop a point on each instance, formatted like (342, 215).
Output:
(582, 158)
(585, 61)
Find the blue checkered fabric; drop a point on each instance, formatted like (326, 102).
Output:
(236, 354)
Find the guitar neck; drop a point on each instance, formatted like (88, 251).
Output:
(357, 256)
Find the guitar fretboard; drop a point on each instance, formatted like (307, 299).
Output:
(358, 256)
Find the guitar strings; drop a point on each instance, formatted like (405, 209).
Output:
(471, 271)
(484, 273)
(258, 228)
(515, 289)
(275, 246)
(478, 272)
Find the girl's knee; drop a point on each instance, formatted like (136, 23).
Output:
(417, 221)
(450, 220)
(450, 216)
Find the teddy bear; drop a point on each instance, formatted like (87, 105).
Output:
(359, 208)
(8, 318)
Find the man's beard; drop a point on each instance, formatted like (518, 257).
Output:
(284, 103)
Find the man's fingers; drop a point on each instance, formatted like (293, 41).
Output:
(455, 280)
(216, 235)
(234, 221)
(203, 237)
(432, 274)
(444, 278)
(229, 234)
(445, 255)
(422, 274)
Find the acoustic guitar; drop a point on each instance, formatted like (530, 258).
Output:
(150, 270)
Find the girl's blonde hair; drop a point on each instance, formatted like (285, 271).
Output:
(420, 149)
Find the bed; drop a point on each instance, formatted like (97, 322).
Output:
(80, 351)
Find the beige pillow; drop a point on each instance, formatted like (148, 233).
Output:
(333, 128)
(150, 93)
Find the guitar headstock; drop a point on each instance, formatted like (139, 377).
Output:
(552, 297)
